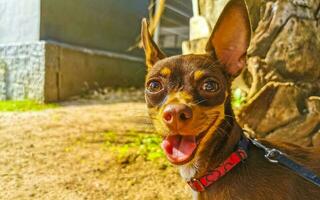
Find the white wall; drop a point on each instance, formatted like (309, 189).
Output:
(19, 21)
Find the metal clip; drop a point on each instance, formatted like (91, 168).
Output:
(271, 154)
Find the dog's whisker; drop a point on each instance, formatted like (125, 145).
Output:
(229, 116)
(198, 102)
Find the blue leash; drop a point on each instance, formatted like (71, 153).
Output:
(276, 156)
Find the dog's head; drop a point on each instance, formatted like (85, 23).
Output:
(186, 94)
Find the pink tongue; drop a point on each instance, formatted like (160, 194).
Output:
(179, 148)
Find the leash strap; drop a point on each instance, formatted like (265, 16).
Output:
(272, 155)
(276, 156)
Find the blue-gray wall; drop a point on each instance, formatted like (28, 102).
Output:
(111, 25)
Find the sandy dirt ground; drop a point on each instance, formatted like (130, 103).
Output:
(59, 154)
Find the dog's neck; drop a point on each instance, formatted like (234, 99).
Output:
(217, 149)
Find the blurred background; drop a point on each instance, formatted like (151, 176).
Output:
(73, 122)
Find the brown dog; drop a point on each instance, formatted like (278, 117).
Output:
(189, 96)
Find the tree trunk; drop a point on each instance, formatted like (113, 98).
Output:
(283, 69)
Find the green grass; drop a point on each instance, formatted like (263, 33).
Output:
(24, 105)
(134, 144)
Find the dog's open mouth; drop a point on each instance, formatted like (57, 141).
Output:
(180, 149)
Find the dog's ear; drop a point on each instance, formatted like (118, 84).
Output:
(152, 51)
(231, 37)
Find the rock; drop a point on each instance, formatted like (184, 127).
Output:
(283, 68)
(258, 70)
(3, 77)
(297, 131)
(303, 130)
(271, 108)
(195, 46)
(211, 10)
(298, 37)
(316, 139)
(275, 16)
(314, 105)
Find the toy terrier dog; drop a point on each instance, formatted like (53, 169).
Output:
(189, 102)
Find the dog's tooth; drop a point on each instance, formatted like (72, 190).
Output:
(177, 153)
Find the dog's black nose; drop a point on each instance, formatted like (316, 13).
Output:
(176, 115)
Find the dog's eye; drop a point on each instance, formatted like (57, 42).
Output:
(210, 86)
(154, 86)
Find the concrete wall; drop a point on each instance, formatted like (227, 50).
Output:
(19, 21)
(111, 25)
(54, 71)
(70, 70)
(53, 49)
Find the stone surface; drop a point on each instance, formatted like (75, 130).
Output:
(271, 108)
(316, 139)
(22, 71)
(285, 49)
(283, 69)
(302, 130)
(211, 10)
(298, 37)
(195, 46)
(3, 75)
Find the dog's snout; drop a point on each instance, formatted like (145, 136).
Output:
(177, 114)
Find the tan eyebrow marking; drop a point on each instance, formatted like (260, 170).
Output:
(165, 71)
(182, 97)
(198, 74)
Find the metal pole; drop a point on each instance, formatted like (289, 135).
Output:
(157, 20)
(195, 7)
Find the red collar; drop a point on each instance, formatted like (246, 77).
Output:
(234, 159)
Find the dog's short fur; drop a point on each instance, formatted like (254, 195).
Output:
(200, 86)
